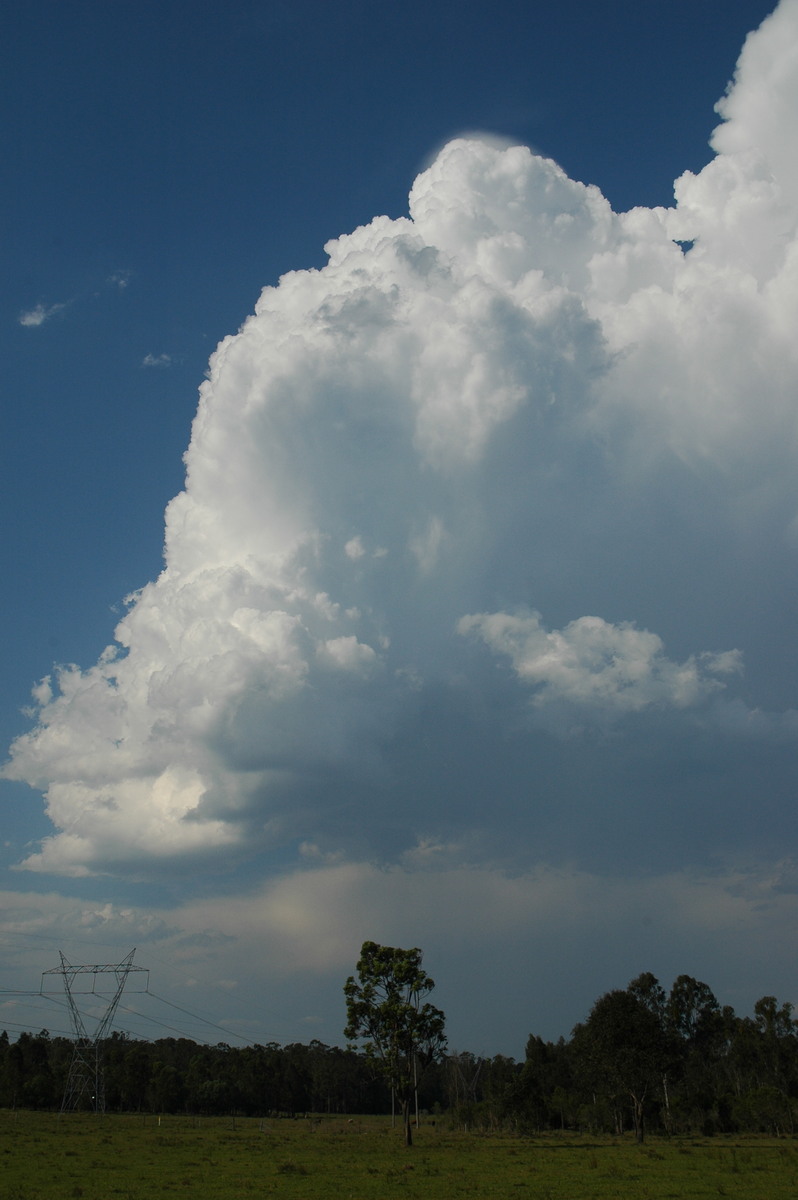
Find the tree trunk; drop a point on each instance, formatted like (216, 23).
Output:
(406, 1120)
(667, 1099)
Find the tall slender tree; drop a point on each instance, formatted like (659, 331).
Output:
(385, 1006)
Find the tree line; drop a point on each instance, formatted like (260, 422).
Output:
(645, 1058)
(178, 1075)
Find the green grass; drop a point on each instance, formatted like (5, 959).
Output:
(83, 1157)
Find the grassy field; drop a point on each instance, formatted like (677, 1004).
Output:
(44, 1157)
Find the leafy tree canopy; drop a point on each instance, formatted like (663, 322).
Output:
(385, 1006)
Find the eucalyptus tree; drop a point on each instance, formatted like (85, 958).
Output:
(696, 1026)
(778, 1040)
(624, 1048)
(385, 1007)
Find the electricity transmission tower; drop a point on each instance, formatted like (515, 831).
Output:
(86, 1076)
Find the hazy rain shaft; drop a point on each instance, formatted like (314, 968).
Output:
(485, 559)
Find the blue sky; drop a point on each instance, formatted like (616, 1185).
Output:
(165, 164)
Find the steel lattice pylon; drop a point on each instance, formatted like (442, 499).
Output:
(86, 1077)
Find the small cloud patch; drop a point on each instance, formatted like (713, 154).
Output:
(33, 317)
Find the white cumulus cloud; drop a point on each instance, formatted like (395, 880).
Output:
(512, 401)
(616, 668)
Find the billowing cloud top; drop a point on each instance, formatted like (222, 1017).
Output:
(494, 479)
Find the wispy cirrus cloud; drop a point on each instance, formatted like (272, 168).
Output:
(120, 279)
(41, 313)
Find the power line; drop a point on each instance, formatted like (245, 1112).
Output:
(205, 1020)
(53, 999)
(154, 1020)
(100, 996)
(26, 1029)
(12, 992)
(229, 997)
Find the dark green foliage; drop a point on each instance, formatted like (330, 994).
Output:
(385, 1006)
(677, 1062)
(624, 1047)
(177, 1075)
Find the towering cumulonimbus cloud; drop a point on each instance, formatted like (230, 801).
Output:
(495, 476)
